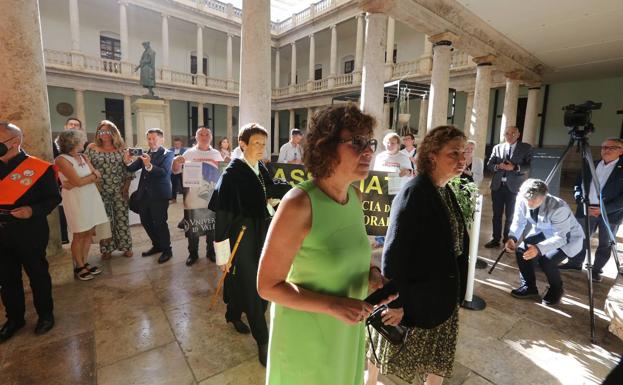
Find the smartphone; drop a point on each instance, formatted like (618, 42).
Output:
(388, 289)
(135, 151)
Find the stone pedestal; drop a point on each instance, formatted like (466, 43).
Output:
(27, 107)
(150, 113)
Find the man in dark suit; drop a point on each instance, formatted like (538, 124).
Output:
(176, 179)
(154, 190)
(609, 172)
(510, 162)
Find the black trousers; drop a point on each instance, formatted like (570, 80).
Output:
(24, 246)
(176, 185)
(503, 203)
(193, 243)
(63, 220)
(255, 316)
(548, 265)
(154, 215)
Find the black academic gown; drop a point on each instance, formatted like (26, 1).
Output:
(239, 199)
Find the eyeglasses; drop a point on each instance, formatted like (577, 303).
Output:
(104, 132)
(361, 143)
(610, 148)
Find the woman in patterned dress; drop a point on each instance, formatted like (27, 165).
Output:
(426, 256)
(106, 154)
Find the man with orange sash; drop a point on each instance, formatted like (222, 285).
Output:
(28, 193)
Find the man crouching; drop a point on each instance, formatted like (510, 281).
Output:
(554, 234)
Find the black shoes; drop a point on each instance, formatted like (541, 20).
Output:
(240, 327)
(568, 266)
(262, 353)
(597, 277)
(553, 296)
(44, 325)
(481, 264)
(165, 256)
(525, 292)
(10, 328)
(152, 251)
(211, 255)
(192, 258)
(492, 244)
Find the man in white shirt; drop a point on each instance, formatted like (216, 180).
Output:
(292, 152)
(609, 172)
(392, 160)
(198, 219)
(409, 141)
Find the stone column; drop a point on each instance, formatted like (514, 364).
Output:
(168, 133)
(511, 95)
(468, 111)
(312, 62)
(373, 66)
(440, 79)
(425, 63)
(80, 110)
(230, 63)
(530, 123)
(200, 76)
(423, 117)
(255, 81)
(389, 50)
(165, 41)
(359, 48)
(74, 25)
(277, 67)
(333, 57)
(276, 134)
(199, 115)
(480, 109)
(310, 112)
(230, 129)
(127, 120)
(27, 107)
(291, 123)
(126, 68)
(387, 119)
(293, 64)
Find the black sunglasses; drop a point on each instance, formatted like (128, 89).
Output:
(361, 143)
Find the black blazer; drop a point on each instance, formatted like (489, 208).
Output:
(157, 182)
(419, 255)
(612, 192)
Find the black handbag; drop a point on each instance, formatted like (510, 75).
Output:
(135, 201)
(395, 335)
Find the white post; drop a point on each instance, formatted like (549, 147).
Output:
(440, 80)
(333, 57)
(230, 61)
(291, 123)
(293, 64)
(74, 25)
(255, 80)
(276, 134)
(473, 302)
(509, 113)
(277, 67)
(480, 109)
(80, 110)
(389, 50)
(359, 48)
(200, 75)
(127, 120)
(312, 62)
(199, 115)
(530, 124)
(372, 94)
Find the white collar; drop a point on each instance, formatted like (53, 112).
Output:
(256, 168)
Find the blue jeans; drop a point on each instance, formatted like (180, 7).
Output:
(602, 254)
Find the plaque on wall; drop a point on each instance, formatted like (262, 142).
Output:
(65, 109)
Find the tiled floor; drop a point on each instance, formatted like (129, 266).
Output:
(144, 323)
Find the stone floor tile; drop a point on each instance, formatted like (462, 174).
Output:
(65, 361)
(210, 345)
(164, 365)
(250, 372)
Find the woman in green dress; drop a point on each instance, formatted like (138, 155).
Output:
(315, 266)
(106, 154)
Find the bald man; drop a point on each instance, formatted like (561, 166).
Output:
(29, 194)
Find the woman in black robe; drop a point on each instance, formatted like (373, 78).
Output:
(241, 198)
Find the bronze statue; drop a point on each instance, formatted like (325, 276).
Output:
(147, 65)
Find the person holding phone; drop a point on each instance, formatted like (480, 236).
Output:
(315, 266)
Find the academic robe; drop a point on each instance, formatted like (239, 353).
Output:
(239, 199)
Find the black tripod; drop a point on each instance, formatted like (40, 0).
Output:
(579, 137)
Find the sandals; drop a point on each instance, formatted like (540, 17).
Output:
(94, 270)
(83, 274)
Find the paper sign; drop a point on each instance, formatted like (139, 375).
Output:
(192, 176)
(223, 251)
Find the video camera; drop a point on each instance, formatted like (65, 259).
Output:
(578, 117)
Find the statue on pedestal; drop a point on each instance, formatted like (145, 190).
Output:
(147, 65)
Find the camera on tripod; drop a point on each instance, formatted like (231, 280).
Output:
(578, 118)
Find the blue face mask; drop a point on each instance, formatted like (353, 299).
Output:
(4, 148)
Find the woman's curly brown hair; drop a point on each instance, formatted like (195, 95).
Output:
(320, 149)
(432, 143)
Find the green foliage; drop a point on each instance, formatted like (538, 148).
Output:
(465, 193)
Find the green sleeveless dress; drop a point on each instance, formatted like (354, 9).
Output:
(311, 348)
